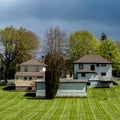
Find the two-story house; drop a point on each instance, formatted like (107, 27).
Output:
(94, 68)
(29, 71)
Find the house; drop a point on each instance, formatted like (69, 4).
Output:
(91, 70)
(94, 68)
(68, 87)
(30, 71)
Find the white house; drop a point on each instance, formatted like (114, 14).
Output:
(94, 68)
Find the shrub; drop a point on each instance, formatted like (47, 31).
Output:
(51, 82)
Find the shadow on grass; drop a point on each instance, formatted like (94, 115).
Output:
(9, 88)
(30, 95)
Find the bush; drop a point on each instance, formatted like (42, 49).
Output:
(51, 82)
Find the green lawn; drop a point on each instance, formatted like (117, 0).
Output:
(101, 104)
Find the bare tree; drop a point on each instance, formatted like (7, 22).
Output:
(55, 42)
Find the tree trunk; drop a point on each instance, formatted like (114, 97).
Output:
(6, 74)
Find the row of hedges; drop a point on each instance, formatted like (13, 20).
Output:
(51, 82)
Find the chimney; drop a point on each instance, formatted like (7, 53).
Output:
(43, 59)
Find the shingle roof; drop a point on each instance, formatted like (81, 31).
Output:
(92, 59)
(29, 74)
(32, 62)
(86, 71)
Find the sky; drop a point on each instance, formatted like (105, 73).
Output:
(38, 16)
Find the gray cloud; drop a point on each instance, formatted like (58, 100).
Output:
(93, 15)
(71, 10)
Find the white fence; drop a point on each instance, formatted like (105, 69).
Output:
(11, 81)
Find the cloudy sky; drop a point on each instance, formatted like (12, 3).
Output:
(95, 16)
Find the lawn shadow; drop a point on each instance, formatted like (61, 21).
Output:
(30, 95)
(9, 88)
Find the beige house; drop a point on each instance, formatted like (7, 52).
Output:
(30, 71)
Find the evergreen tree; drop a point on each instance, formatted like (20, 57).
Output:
(103, 36)
(51, 82)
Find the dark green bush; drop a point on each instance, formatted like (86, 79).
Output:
(51, 83)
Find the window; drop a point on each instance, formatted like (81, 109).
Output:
(30, 78)
(97, 64)
(25, 78)
(103, 74)
(82, 74)
(26, 68)
(38, 77)
(81, 66)
(103, 65)
(92, 67)
(37, 69)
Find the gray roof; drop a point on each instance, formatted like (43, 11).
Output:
(33, 62)
(86, 71)
(67, 81)
(92, 59)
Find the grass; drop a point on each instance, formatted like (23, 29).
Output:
(101, 104)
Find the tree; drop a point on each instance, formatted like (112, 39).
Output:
(81, 43)
(17, 45)
(103, 36)
(55, 41)
(108, 49)
(51, 83)
(118, 44)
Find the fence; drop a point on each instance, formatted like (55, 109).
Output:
(11, 81)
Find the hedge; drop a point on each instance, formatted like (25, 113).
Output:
(51, 82)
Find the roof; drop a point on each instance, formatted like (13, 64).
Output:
(66, 81)
(32, 62)
(86, 71)
(92, 59)
(29, 74)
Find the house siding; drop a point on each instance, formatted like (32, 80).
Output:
(106, 69)
(88, 76)
(76, 69)
(96, 79)
(34, 70)
(66, 89)
(97, 84)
